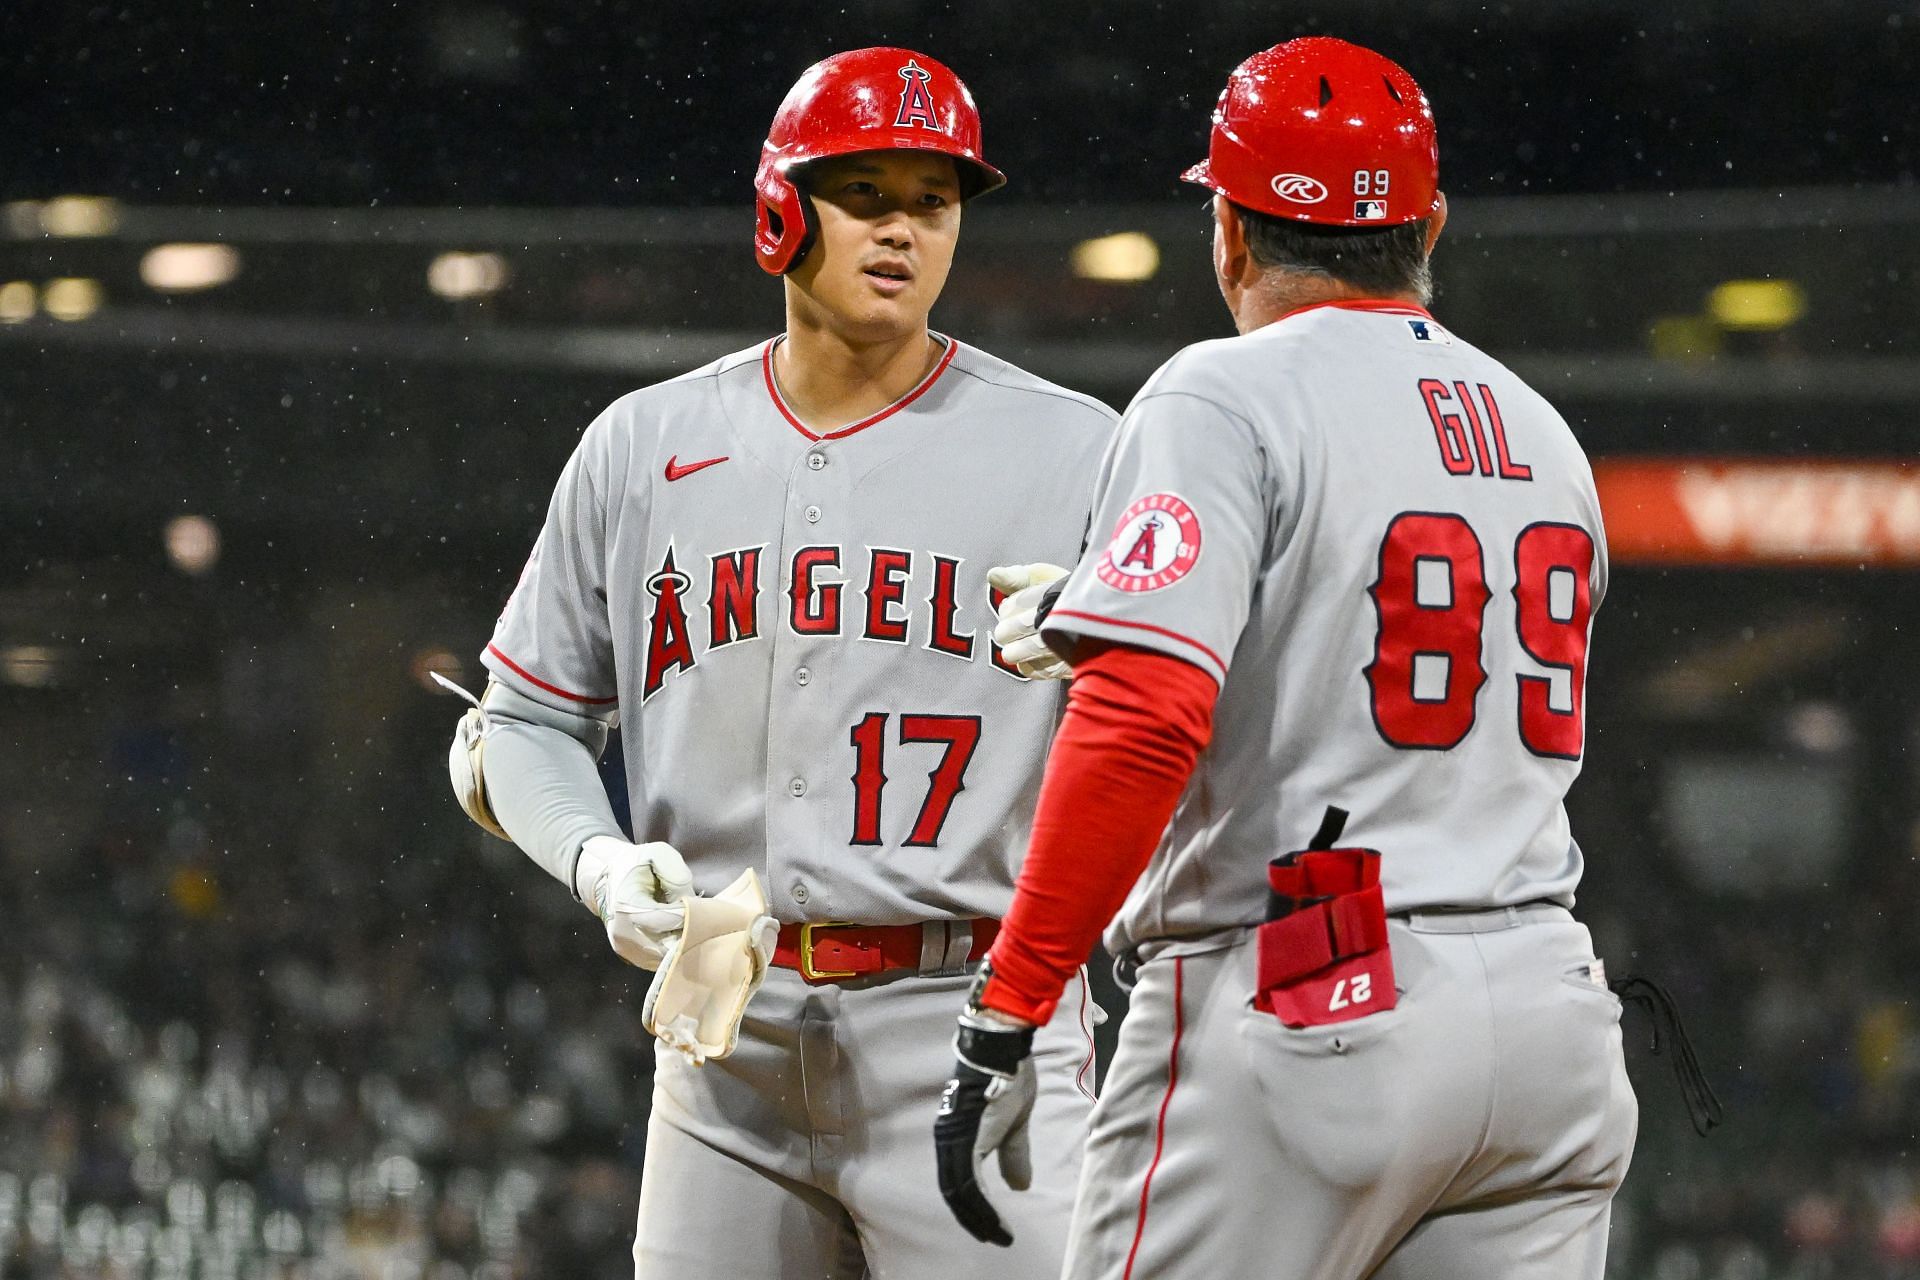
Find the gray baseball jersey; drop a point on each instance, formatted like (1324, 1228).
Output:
(796, 629)
(1388, 550)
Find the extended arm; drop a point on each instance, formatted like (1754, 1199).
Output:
(1136, 723)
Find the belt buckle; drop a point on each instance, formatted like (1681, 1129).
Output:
(807, 970)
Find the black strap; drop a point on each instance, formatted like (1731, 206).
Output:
(1332, 823)
(1703, 1105)
(1048, 598)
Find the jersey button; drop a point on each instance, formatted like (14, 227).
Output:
(816, 461)
(813, 515)
(800, 893)
(803, 676)
(797, 788)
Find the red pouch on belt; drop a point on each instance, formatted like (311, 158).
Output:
(1324, 957)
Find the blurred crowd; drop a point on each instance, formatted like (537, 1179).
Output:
(1802, 1010)
(250, 1033)
(261, 1017)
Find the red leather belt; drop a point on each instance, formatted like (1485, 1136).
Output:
(833, 950)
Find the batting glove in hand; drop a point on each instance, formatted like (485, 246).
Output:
(1029, 591)
(984, 1111)
(636, 890)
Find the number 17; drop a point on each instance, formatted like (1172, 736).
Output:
(945, 781)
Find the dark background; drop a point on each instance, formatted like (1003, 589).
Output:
(269, 1006)
(624, 102)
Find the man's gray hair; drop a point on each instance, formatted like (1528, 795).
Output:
(1391, 260)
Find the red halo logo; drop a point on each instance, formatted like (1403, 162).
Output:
(1155, 544)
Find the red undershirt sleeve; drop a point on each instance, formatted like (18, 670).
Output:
(1136, 722)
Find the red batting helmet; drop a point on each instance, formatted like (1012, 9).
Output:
(864, 100)
(1319, 130)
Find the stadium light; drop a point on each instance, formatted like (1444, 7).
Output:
(1685, 338)
(436, 659)
(1756, 304)
(467, 275)
(183, 268)
(193, 544)
(72, 297)
(30, 666)
(18, 301)
(79, 216)
(1127, 257)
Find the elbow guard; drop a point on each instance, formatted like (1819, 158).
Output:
(466, 765)
(466, 758)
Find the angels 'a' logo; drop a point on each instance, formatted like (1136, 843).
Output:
(669, 646)
(916, 103)
(1155, 544)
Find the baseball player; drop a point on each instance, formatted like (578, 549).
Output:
(1343, 574)
(773, 573)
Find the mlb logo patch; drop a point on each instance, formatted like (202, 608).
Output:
(1428, 331)
(1370, 210)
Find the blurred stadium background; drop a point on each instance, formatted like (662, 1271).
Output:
(300, 312)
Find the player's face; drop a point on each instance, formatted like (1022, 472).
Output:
(888, 224)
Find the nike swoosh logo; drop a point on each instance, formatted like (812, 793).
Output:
(677, 472)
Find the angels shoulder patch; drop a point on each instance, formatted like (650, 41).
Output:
(1155, 544)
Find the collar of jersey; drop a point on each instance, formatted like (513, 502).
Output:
(773, 390)
(1389, 306)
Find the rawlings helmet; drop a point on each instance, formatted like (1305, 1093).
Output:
(1319, 130)
(865, 100)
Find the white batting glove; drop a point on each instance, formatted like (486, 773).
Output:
(636, 890)
(1016, 632)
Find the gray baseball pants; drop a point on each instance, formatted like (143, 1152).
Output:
(1477, 1131)
(808, 1154)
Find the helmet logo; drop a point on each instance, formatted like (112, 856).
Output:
(916, 104)
(1299, 188)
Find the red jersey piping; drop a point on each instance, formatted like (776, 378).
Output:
(1389, 306)
(1160, 1125)
(536, 681)
(1141, 626)
(773, 392)
(1086, 1029)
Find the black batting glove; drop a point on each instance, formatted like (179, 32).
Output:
(984, 1111)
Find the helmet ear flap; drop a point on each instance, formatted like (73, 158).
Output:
(785, 223)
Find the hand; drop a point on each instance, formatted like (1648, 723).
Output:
(1027, 597)
(984, 1111)
(636, 890)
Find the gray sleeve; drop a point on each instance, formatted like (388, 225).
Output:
(1601, 561)
(541, 781)
(553, 642)
(1179, 535)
